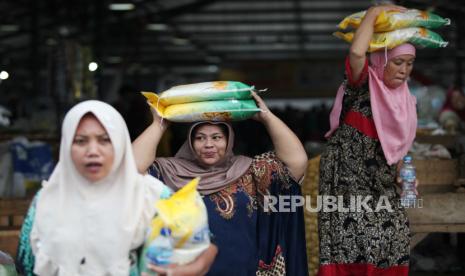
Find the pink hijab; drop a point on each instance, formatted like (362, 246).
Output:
(394, 109)
(184, 166)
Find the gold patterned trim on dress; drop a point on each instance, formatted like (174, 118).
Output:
(267, 167)
(225, 199)
(246, 185)
(252, 205)
(261, 198)
(224, 204)
(254, 183)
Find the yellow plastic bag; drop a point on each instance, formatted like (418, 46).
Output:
(185, 215)
(393, 20)
(420, 37)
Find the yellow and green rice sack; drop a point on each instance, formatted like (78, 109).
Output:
(226, 110)
(420, 37)
(206, 91)
(393, 20)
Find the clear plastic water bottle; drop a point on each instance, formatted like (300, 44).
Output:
(408, 177)
(160, 249)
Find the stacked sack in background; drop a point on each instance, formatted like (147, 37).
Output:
(394, 28)
(310, 189)
(215, 101)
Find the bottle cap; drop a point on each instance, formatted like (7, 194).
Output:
(407, 159)
(165, 231)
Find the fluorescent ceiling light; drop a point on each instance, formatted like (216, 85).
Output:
(202, 69)
(157, 27)
(114, 59)
(212, 68)
(213, 59)
(180, 41)
(121, 6)
(51, 41)
(9, 28)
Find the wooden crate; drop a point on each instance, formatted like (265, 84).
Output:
(441, 212)
(447, 140)
(12, 213)
(432, 172)
(440, 208)
(9, 241)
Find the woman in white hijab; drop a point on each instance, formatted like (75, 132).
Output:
(95, 207)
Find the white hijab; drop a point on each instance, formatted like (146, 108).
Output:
(84, 228)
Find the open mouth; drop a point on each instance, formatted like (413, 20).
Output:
(93, 166)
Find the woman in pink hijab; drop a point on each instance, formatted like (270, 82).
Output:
(373, 124)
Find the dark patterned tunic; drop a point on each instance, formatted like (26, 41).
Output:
(250, 241)
(353, 242)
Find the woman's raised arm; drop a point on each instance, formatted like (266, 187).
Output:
(145, 146)
(287, 146)
(362, 38)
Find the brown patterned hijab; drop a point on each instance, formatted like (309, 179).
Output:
(185, 165)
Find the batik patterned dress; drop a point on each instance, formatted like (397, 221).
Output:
(354, 166)
(251, 241)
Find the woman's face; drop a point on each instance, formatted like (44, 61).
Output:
(398, 70)
(92, 151)
(458, 100)
(209, 143)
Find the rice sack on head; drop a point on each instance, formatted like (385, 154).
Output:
(420, 37)
(392, 20)
(215, 101)
(227, 110)
(205, 91)
(185, 215)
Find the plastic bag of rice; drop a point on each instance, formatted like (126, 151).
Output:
(393, 20)
(205, 91)
(420, 37)
(226, 110)
(214, 101)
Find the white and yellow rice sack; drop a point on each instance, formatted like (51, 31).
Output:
(420, 37)
(215, 101)
(206, 91)
(393, 20)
